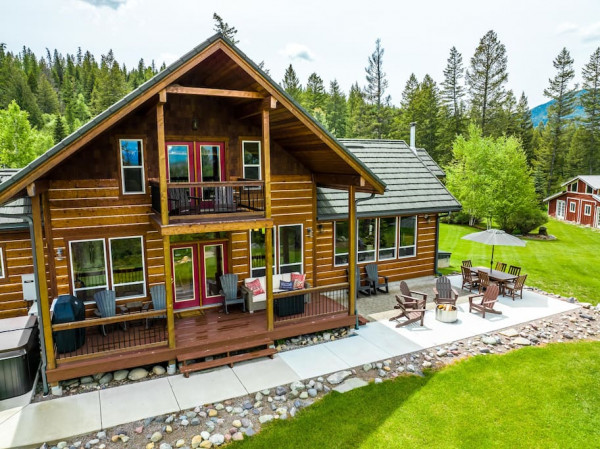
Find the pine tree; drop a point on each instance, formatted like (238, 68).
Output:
(486, 79)
(453, 92)
(590, 100)
(315, 95)
(524, 129)
(336, 110)
(376, 87)
(110, 85)
(563, 106)
(47, 99)
(223, 27)
(355, 125)
(291, 83)
(59, 130)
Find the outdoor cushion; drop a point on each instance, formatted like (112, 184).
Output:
(286, 285)
(255, 286)
(298, 280)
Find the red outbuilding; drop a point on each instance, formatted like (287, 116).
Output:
(579, 202)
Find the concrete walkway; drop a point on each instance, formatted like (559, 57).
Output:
(62, 418)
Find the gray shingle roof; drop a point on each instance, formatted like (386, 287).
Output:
(18, 206)
(430, 163)
(411, 186)
(591, 180)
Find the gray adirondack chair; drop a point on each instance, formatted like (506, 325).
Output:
(373, 277)
(229, 284)
(158, 293)
(106, 303)
(364, 289)
(444, 293)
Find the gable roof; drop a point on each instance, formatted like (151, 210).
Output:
(591, 180)
(19, 206)
(411, 186)
(430, 163)
(151, 88)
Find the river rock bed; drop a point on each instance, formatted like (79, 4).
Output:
(213, 425)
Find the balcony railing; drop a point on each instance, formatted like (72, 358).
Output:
(197, 199)
(311, 302)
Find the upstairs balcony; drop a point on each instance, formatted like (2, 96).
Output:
(211, 201)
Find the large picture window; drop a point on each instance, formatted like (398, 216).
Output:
(366, 239)
(90, 267)
(340, 238)
(132, 166)
(251, 158)
(387, 238)
(408, 236)
(290, 248)
(257, 253)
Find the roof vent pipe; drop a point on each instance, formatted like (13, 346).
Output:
(413, 132)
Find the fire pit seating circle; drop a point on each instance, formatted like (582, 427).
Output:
(446, 313)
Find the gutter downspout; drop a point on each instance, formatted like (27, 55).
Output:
(356, 201)
(437, 243)
(29, 220)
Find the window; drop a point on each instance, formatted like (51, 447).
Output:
(132, 166)
(408, 236)
(127, 266)
(587, 210)
(588, 189)
(573, 187)
(251, 158)
(366, 239)
(3, 274)
(290, 248)
(178, 160)
(257, 253)
(341, 233)
(387, 238)
(572, 207)
(560, 209)
(90, 266)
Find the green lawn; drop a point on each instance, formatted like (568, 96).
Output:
(566, 266)
(485, 401)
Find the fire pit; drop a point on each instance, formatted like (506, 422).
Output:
(446, 313)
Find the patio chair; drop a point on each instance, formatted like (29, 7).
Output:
(410, 296)
(408, 311)
(229, 283)
(373, 278)
(515, 271)
(500, 266)
(106, 303)
(158, 293)
(467, 263)
(364, 289)
(488, 299)
(515, 288)
(444, 293)
(469, 279)
(484, 280)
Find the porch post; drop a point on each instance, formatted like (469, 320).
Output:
(269, 276)
(162, 162)
(169, 291)
(352, 249)
(266, 150)
(43, 287)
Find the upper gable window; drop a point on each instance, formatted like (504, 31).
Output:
(251, 157)
(132, 166)
(588, 189)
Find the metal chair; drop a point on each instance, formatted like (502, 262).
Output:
(373, 278)
(229, 284)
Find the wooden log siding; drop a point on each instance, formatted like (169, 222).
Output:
(19, 260)
(85, 209)
(395, 269)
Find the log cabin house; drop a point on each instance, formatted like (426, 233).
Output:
(579, 202)
(208, 168)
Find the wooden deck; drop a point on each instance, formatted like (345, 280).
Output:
(209, 330)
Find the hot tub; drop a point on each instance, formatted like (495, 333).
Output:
(19, 355)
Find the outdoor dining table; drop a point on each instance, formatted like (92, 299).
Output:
(495, 275)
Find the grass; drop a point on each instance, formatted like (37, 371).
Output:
(484, 402)
(565, 266)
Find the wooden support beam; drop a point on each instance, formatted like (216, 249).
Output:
(36, 212)
(269, 103)
(176, 89)
(337, 179)
(352, 239)
(37, 187)
(266, 151)
(162, 96)
(269, 277)
(162, 163)
(169, 290)
(252, 109)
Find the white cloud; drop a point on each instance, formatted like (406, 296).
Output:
(567, 27)
(114, 4)
(298, 51)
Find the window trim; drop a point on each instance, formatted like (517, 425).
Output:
(250, 255)
(112, 280)
(74, 290)
(587, 210)
(259, 165)
(142, 167)
(375, 241)
(335, 222)
(572, 207)
(3, 264)
(395, 247)
(588, 189)
(278, 247)
(414, 245)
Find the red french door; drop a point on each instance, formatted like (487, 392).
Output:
(197, 268)
(195, 162)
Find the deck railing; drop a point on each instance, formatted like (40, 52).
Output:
(125, 332)
(311, 302)
(198, 199)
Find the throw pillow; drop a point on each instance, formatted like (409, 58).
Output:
(255, 287)
(298, 280)
(286, 285)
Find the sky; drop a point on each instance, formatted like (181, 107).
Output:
(332, 38)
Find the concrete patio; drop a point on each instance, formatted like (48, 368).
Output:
(29, 425)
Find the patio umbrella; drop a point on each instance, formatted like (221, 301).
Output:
(494, 237)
